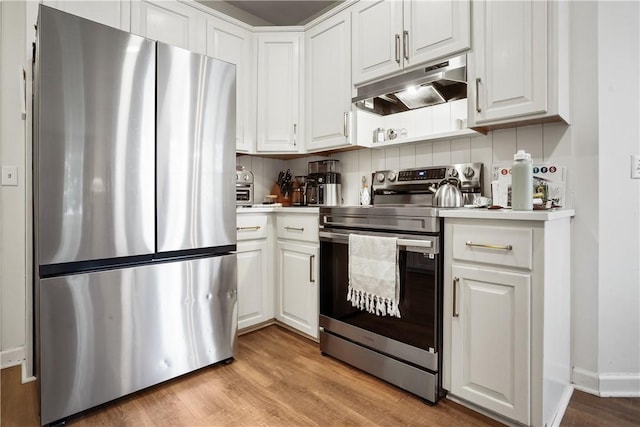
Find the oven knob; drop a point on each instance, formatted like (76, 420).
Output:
(468, 172)
(391, 176)
(453, 173)
(380, 177)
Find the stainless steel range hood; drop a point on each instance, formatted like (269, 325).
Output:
(434, 84)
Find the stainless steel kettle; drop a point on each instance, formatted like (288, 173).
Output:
(448, 195)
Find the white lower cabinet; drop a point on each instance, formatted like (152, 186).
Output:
(507, 317)
(278, 269)
(255, 288)
(255, 269)
(490, 341)
(297, 251)
(297, 291)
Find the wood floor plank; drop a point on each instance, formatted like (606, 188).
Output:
(281, 379)
(587, 410)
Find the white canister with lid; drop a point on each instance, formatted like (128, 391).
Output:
(522, 182)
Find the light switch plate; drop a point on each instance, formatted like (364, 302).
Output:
(635, 166)
(10, 175)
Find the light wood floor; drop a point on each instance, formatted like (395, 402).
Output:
(281, 379)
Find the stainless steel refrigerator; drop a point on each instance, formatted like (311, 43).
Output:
(134, 213)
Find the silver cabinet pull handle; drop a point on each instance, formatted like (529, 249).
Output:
(398, 48)
(405, 44)
(455, 297)
(478, 109)
(311, 279)
(484, 245)
(253, 227)
(294, 228)
(345, 129)
(295, 134)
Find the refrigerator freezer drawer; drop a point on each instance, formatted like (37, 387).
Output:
(195, 151)
(107, 334)
(94, 141)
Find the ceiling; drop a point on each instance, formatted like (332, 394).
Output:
(266, 12)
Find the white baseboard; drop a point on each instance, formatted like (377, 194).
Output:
(606, 385)
(15, 357)
(12, 357)
(620, 385)
(562, 406)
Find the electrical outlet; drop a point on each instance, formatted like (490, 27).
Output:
(635, 166)
(10, 175)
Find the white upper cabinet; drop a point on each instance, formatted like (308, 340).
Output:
(435, 29)
(389, 36)
(377, 32)
(233, 44)
(279, 63)
(328, 72)
(518, 68)
(116, 14)
(170, 22)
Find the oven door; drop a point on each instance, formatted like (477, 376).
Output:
(244, 195)
(415, 337)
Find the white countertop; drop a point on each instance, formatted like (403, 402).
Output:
(472, 213)
(277, 207)
(506, 214)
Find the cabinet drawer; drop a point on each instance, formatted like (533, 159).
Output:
(493, 245)
(250, 227)
(298, 227)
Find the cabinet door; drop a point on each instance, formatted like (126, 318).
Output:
(278, 92)
(435, 29)
(490, 339)
(230, 43)
(507, 70)
(255, 297)
(115, 14)
(377, 39)
(297, 286)
(170, 22)
(328, 51)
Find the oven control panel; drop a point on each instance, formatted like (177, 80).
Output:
(407, 177)
(416, 186)
(469, 174)
(422, 174)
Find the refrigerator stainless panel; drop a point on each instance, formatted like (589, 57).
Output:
(196, 151)
(94, 149)
(106, 334)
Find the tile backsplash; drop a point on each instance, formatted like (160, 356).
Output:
(545, 142)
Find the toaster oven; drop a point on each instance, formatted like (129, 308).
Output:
(244, 188)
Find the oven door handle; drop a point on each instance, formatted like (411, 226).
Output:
(411, 245)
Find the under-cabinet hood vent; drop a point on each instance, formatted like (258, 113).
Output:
(435, 84)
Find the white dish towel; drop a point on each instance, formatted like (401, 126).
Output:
(374, 283)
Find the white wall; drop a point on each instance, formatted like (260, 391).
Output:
(585, 224)
(619, 221)
(12, 199)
